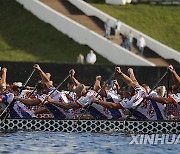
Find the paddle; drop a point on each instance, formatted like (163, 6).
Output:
(168, 84)
(5, 113)
(133, 110)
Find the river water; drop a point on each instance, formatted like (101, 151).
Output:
(69, 143)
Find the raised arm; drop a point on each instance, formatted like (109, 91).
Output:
(43, 75)
(175, 76)
(116, 85)
(72, 75)
(3, 78)
(132, 76)
(126, 79)
(97, 85)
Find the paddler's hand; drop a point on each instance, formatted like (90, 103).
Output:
(37, 67)
(118, 70)
(171, 68)
(98, 78)
(116, 82)
(72, 72)
(130, 71)
(49, 99)
(95, 100)
(4, 70)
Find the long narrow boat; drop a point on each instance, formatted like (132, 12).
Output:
(145, 127)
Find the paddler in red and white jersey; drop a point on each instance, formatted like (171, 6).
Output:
(84, 97)
(43, 89)
(97, 111)
(5, 96)
(109, 94)
(16, 109)
(136, 95)
(174, 97)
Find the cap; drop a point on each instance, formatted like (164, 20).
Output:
(109, 82)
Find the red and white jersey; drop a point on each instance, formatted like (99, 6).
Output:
(19, 110)
(26, 93)
(71, 96)
(152, 110)
(55, 110)
(149, 109)
(112, 96)
(57, 95)
(133, 101)
(5, 99)
(96, 110)
(176, 103)
(22, 110)
(175, 98)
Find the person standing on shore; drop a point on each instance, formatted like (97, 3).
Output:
(91, 57)
(130, 40)
(117, 28)
(141, 43)
(107, 27)
(80, 59)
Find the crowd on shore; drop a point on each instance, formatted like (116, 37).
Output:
(101, 100)
(127, 37)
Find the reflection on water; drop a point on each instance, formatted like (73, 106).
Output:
(61, 142)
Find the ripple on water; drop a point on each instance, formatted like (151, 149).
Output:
(61, 142)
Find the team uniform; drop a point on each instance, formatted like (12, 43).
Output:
(21, 111)
(111, 96)
(72, 97)
(96, 110)
(148, 110)
(174, 108)
(5, 99)
(57, 112)
(17, 109)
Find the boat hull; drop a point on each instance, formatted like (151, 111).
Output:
(145, 127)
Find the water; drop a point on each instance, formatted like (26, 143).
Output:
(69, 143)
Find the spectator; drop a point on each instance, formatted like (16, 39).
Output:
(91, 57)
(141, 44)
(129, 40)
(117, 28)
(124, 40)
(107, 27)
(80, 59)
